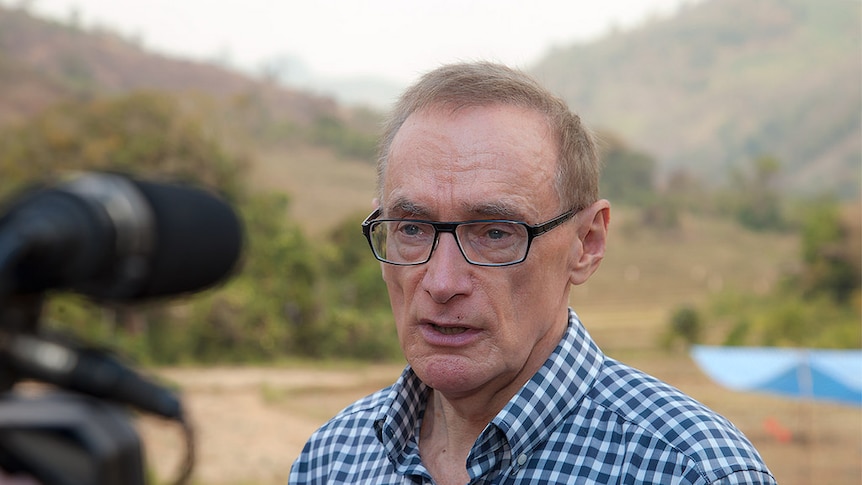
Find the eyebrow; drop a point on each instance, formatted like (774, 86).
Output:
(491, 210)
(496, 210)
(403, 207)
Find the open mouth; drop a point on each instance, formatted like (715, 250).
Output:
(449, 330)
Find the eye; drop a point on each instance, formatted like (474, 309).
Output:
(500, 231)
(491, 234)
(409, 232)
(497, 233)
(411, 229)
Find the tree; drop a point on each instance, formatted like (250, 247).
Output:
(357, 321)
(754, 198)
(628, 175)
(685, 325)
(141, 133)
(819, 304)
(830, 252)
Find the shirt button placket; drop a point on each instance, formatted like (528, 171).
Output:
(519, 463)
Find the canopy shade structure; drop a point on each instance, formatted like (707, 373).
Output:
(813, 374)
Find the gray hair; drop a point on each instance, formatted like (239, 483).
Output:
(481, 84)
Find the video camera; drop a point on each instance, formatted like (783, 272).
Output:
(114, 239)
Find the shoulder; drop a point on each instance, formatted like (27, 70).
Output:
(348, 438)
(645, 399)
(660, 417)
(360, 415)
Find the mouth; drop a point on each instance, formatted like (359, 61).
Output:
(448, 333)
(448, 330)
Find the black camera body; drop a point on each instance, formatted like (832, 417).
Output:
(62, 438)
(54, 436)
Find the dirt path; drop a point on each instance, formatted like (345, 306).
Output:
(251, 423)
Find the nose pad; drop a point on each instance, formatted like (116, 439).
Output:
(451, 245)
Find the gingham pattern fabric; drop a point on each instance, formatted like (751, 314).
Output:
(582, 419)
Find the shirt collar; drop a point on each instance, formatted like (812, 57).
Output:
(553, 392)
(401, 414)
(529, 417)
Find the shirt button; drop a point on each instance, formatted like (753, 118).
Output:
(522, 458)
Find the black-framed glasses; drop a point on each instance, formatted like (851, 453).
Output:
(491, 242)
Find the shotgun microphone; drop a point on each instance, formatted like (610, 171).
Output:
(112, 237)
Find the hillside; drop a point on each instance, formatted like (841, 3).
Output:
(725, 81)
(706, 90)
(42, 62)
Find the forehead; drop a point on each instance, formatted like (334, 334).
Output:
(478, 161)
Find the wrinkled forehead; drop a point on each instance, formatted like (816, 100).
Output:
(485, 161)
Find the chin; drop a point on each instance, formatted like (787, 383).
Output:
(449, 374)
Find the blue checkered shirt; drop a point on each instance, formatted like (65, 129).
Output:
(583, 418)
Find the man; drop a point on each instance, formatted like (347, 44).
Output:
(487, 213)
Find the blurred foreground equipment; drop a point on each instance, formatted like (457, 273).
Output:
(112, 239)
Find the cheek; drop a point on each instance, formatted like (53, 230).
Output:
(540, 290)
(393, 285)
(400, 289)
(396, 302)
(400, 299)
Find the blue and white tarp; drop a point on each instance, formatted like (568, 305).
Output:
(816, 374)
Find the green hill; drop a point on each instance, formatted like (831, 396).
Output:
(724, 81)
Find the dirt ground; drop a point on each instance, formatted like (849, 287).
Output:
(252, 422)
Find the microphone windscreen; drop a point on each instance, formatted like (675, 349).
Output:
(198, 239)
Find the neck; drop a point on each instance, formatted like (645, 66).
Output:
(446, 438)
(458, 421)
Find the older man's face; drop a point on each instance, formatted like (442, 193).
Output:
(464, 328)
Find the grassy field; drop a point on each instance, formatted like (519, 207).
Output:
(252, 422)
(323, 188)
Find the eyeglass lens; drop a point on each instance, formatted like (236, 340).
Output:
(408, 242)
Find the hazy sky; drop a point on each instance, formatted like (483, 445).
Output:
(396, 39)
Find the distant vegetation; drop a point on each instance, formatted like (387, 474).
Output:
(727, 81)
(817, 304)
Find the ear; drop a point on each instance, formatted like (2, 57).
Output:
(592, 237)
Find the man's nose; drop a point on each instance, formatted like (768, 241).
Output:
(447, 272)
